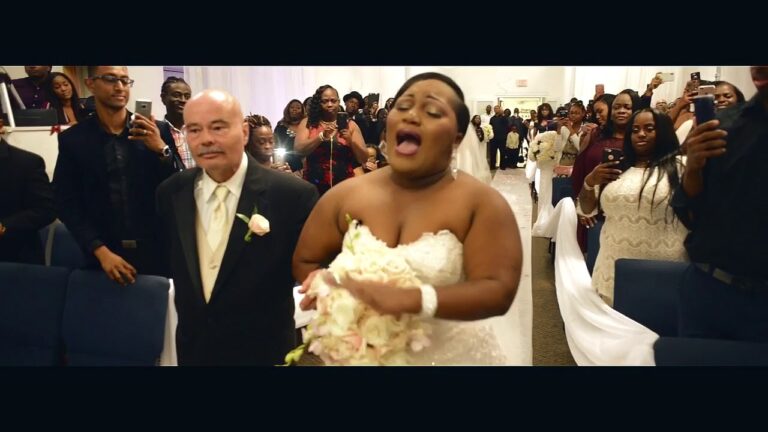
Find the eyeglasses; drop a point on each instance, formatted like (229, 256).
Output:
(111, 79)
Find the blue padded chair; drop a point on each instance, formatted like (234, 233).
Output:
(31, 307)
(46, 240)
(106, 324)
(647, 292)
(65, 252)
(593, 244)
(561, 188)
(673, 351)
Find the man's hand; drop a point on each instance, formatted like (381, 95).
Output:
(115, 266)
(146, 130)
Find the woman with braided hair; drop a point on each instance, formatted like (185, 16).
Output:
(261, 143)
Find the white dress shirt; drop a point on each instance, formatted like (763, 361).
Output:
(206, 200)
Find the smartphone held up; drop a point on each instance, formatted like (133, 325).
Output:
(144, 107)
(704, 108)
(342, 121)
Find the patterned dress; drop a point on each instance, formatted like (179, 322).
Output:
(632, 232)
(332, 162)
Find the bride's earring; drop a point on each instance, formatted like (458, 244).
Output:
(454, 165)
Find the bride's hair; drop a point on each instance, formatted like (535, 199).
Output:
(462, 112)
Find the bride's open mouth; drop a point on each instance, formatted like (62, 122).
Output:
(408, 142)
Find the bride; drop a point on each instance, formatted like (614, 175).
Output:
(457, 234)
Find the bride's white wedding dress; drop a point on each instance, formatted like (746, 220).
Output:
(471, 158)
(437, 259)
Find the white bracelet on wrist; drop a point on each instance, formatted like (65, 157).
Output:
(428, 301)
(588, 187)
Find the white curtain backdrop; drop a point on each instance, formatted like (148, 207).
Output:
(266, 90)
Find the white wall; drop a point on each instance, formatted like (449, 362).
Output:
(149, 79)
(740, 77)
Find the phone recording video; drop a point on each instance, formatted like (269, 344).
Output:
(614, 155)
(342, 121)
(695, 76)
(144, 107)
(704, 108)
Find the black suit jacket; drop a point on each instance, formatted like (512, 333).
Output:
(26, 204)
(249, 318)
(81, 186)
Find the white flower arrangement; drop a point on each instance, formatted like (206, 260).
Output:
(543, 147)
(346, 331)
(487, 131)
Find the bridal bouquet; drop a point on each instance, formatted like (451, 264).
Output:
(487, 131)
(346, 331)
(543, 147)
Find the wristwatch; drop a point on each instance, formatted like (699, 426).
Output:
(166, 152)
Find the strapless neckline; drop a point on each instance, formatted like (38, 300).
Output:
(424, 236)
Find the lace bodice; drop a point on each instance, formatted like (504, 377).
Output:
(438, 259)
(632, 232)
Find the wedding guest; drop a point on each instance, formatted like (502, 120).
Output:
(285, 133)
(330, 153)
(722, 200)
(634, 196)
(63, 97)
(174, 93)
(108, 168)
(26, 204)
(261, 143)
(32, 89)
(727, 95)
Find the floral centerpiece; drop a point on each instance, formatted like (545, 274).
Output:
(346, 331)
(543, 147)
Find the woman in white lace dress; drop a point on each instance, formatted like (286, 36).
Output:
(638, 220)
(458, 234)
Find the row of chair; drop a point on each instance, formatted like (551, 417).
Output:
(53, 316)
(61, 249)
(647, 292)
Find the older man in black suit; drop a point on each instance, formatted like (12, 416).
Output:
(233, 279)
(26, 204)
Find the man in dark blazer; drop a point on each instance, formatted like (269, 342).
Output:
(234, 296)
(26, 204)
(106, 176)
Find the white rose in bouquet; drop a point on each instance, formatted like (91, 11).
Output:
(346, 331)
(543, 147)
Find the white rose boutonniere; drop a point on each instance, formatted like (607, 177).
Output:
(257, 224)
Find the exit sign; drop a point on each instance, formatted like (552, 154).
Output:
(521, 83)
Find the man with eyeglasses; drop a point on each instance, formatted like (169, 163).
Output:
(108, 168)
